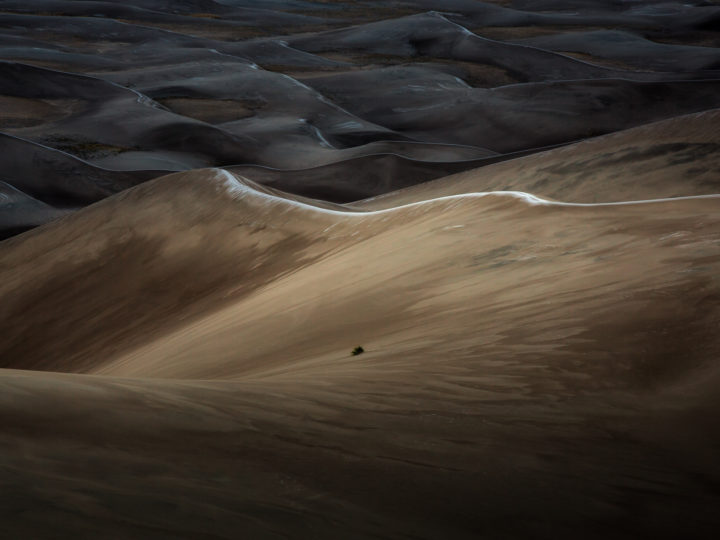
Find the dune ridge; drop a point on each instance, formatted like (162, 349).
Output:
(241, 186)
(318, 231)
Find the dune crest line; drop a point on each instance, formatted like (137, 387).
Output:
(235, 186)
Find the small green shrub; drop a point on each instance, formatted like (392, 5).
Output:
(357, 350)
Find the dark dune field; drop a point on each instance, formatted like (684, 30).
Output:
(402, 91)
(359, 269)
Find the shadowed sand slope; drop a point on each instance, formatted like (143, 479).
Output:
(631, 49)
(20, 212)
(165, 222)
(504, 450)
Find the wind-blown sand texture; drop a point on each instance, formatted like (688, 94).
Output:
(207, 205)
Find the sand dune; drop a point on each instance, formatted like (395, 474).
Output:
(515, 117)
(20, 212)
(672, 158)
(673, 18)
(41, 183)
(206, 206)
(480, 314)
(60, 179)
(317, 233)
(293, 86)
(432, 34)
(631, 49)
(247, 205)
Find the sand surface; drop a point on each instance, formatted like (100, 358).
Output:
(512, 207)
(530, 367)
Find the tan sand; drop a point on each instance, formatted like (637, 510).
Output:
(531, 370)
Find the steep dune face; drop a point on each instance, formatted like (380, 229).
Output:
(143, 260)
(253, 282)
(210, 261)
(468, 273)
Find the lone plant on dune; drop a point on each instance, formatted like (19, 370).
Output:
(357, 350)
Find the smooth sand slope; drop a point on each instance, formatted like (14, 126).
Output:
(532, 369)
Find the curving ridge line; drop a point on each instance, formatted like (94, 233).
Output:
(237, 188)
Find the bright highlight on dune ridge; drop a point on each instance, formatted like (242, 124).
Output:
(359, 269)
(240, 186)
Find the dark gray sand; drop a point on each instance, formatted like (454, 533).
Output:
(283, 87)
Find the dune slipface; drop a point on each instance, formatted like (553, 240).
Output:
(359, 270)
